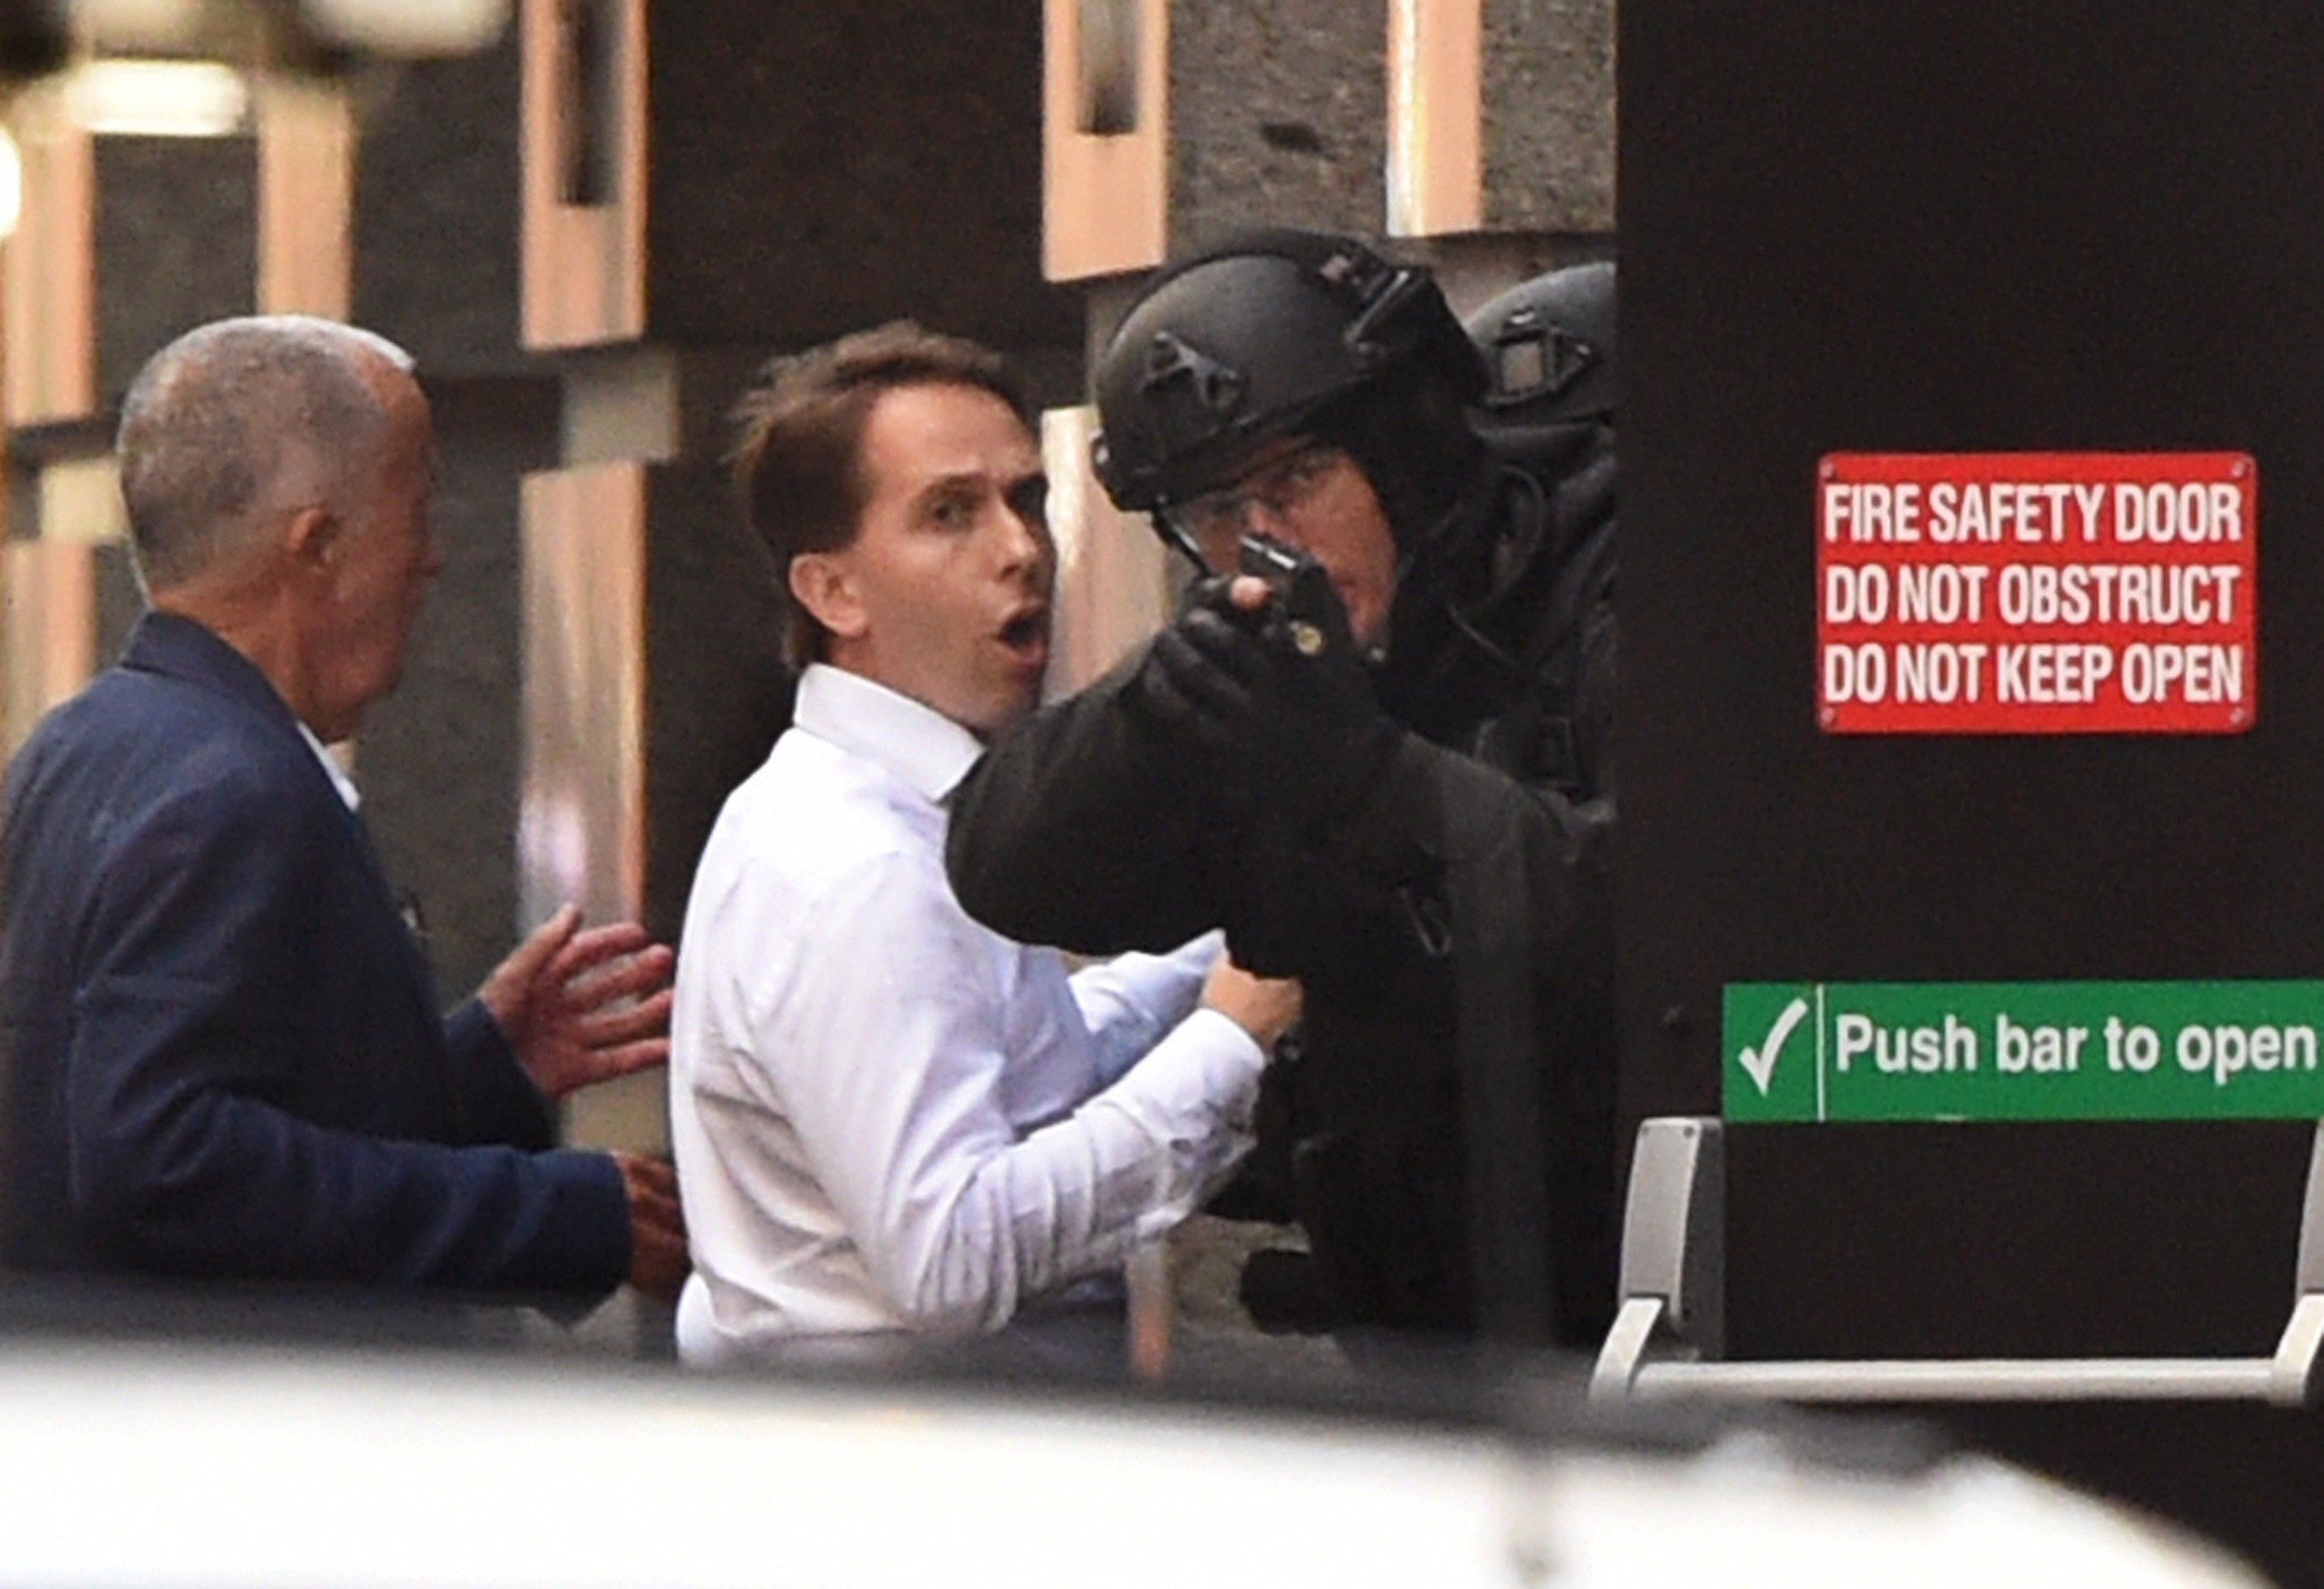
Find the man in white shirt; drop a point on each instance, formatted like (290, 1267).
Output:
(892, 1124)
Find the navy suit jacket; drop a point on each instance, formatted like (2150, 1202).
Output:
(222, 1051)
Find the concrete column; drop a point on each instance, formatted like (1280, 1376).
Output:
(50, 278)
(177, 244)
(306, 199)
(437, 215)
(1105, 136)
(1112, 577)
(653, 684)
(439, 761)
(1278, 117)
(584, 185)
(48, 605)
(1501, 118)
(435, 265)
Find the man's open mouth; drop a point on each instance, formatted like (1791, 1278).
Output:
(1027, 632)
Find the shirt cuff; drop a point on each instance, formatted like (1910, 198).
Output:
(1198, 1095)
(1223, 1032)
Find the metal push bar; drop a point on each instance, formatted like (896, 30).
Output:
(1670, 1332)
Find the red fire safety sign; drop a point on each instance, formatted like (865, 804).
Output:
(2036, 592)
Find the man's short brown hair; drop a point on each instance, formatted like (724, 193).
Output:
(800, 428)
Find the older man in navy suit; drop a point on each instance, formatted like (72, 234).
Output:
(223, 1054)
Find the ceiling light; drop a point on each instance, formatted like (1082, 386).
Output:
(157, 98)
(410, 27)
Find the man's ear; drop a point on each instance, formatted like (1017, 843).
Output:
(311, 538)
(822, 586)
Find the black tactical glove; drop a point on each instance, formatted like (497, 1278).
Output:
(1278, 698)
(1199, 680)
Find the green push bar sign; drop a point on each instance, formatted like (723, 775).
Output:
(2023, 1051)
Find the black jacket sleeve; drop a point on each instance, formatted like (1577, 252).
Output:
(1081, 829)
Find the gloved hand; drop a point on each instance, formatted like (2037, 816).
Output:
(1200, 678)
(1275, 697)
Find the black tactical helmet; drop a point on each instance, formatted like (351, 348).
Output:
(1232, 347)
(1549, 344)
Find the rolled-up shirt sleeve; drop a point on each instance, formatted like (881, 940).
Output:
(887, 1047)
(1131, 1000)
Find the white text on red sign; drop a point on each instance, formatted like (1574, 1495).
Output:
(2036, 593)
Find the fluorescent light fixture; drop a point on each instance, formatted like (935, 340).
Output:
(410, 27)
(157, 98)
(11, 184)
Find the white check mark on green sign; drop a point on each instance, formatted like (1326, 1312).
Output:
(1760, 1063)
(2196, 1049)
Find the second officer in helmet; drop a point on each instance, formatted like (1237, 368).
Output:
(1375, 744)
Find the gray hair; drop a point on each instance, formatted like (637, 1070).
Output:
(239, 420)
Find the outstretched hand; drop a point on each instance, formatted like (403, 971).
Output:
(583, 1007)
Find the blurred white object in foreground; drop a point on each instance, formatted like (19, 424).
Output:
(148, 1468)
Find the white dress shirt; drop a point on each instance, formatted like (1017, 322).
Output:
(889, 1120)
(340, 780)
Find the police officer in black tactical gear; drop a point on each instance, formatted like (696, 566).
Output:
(1375, 744)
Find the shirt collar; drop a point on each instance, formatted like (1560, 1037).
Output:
(916, 744)
(340, 780)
